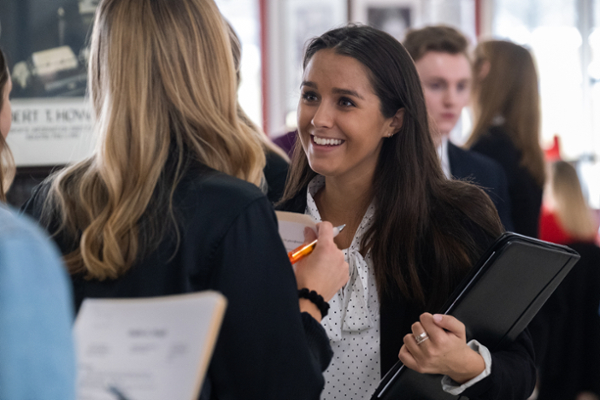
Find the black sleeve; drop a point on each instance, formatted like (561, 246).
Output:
(275, 171)
(515, 360)
(266, 348)
(318, 342)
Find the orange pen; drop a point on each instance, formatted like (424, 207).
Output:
(302, 251)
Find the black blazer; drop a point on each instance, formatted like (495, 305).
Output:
(485, 173)
(524, 193)
(229, 242)
(513, 374)
(276, 170)
(572, 364)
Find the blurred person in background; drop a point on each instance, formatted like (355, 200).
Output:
(37, 357)
(444, 67)
(571, 368)
(506, 107)
(566, 216)
(506, 127)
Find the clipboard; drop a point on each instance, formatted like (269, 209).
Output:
(151, 348)
(496, 301)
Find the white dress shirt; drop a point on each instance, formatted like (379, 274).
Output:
(352, 323)
(442, 151)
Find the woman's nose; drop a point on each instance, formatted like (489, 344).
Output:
(323, 117)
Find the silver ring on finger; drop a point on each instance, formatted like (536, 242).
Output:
(421, 337)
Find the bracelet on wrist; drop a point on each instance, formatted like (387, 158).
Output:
(316, 299)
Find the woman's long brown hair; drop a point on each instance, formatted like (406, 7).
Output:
(417, 208)
(509, 90)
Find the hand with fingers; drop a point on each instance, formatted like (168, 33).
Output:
(438, 345)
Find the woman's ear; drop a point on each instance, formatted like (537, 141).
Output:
(484, 70)
(396, 123)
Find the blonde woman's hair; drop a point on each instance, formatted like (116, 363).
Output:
(509, 90)
(572, 210)
(163, 89)
(7, 163)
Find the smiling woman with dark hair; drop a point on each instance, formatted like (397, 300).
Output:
(365, 158)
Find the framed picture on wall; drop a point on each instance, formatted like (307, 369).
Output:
(45, 42)
(391, 16)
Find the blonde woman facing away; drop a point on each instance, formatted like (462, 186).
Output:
(168, 202)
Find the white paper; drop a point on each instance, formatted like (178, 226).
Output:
(291, 228)
(148, 349)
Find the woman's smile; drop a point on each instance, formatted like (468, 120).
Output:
(323, 141)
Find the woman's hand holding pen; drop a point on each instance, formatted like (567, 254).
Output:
(324, 270)
(437, 345)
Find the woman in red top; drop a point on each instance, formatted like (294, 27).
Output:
(566, 217)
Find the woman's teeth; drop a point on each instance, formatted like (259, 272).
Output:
(327, 142)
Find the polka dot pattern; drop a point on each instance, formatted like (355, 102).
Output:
(354, 372)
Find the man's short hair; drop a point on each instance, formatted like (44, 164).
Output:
(438, 38)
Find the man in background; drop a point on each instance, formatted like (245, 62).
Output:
(444, 67)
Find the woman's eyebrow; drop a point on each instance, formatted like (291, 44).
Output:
(334, 90)
(309, 84)
(347, 92)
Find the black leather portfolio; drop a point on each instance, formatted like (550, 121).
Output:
(496, 302)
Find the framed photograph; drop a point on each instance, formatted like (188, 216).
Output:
(391, 16)
(45, 42)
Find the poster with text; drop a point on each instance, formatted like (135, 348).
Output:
(45, 42)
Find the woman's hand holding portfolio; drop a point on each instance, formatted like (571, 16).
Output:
(438, 345)
(324, 270)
